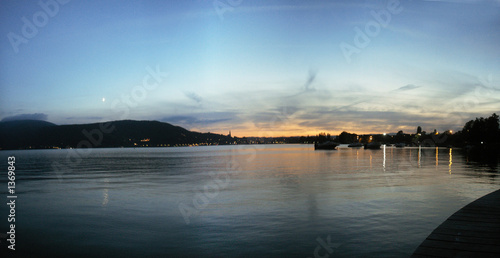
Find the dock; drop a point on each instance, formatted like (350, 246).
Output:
(473, 231)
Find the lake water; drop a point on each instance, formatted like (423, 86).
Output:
(247, 200)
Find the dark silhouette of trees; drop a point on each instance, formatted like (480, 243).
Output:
(346, 137)
(482, 131)
(323, 137)
(400, 137)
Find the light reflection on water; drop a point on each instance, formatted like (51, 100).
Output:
(279, 199)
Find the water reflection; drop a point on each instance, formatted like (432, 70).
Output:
(418, 157)
(277, 197)
(451, 158)
(419, 154)
(105, 198)
(437, 157)
(105, 192)
(480, 159)
(383, 163)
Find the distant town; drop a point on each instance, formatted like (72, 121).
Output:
(35, 134)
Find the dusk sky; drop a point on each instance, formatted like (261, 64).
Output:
(257, 68)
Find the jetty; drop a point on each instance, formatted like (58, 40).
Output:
(473, 231)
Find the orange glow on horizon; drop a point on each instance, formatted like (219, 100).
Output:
(261, 133)
(290, 130)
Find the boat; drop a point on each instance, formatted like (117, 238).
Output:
(400, 145)
(373, 145)
(355, 145)
(328, 145)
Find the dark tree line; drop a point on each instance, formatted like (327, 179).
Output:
(482, 131)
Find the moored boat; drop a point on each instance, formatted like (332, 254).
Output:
(355, 145)
(373, 145)
(329, 145)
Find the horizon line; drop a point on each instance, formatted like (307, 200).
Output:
(230, 131)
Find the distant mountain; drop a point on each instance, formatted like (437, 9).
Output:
(17, 134)
(25, 134)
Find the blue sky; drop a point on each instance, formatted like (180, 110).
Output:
(257, 68)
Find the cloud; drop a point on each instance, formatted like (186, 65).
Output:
(201, 119)
(85, 117)
(193, 96)
(356, 120)
(408, 87)
(180, 119)
(310, 80)
(311, 105)
(35, 116)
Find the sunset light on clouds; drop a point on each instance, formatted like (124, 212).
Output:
(256, 68)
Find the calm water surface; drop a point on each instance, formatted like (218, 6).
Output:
(265, 200)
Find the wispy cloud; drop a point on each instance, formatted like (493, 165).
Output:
(310, 80)
(199, 119)
(193, 96)
(408, 87)
(35, 116)
(91, 118)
